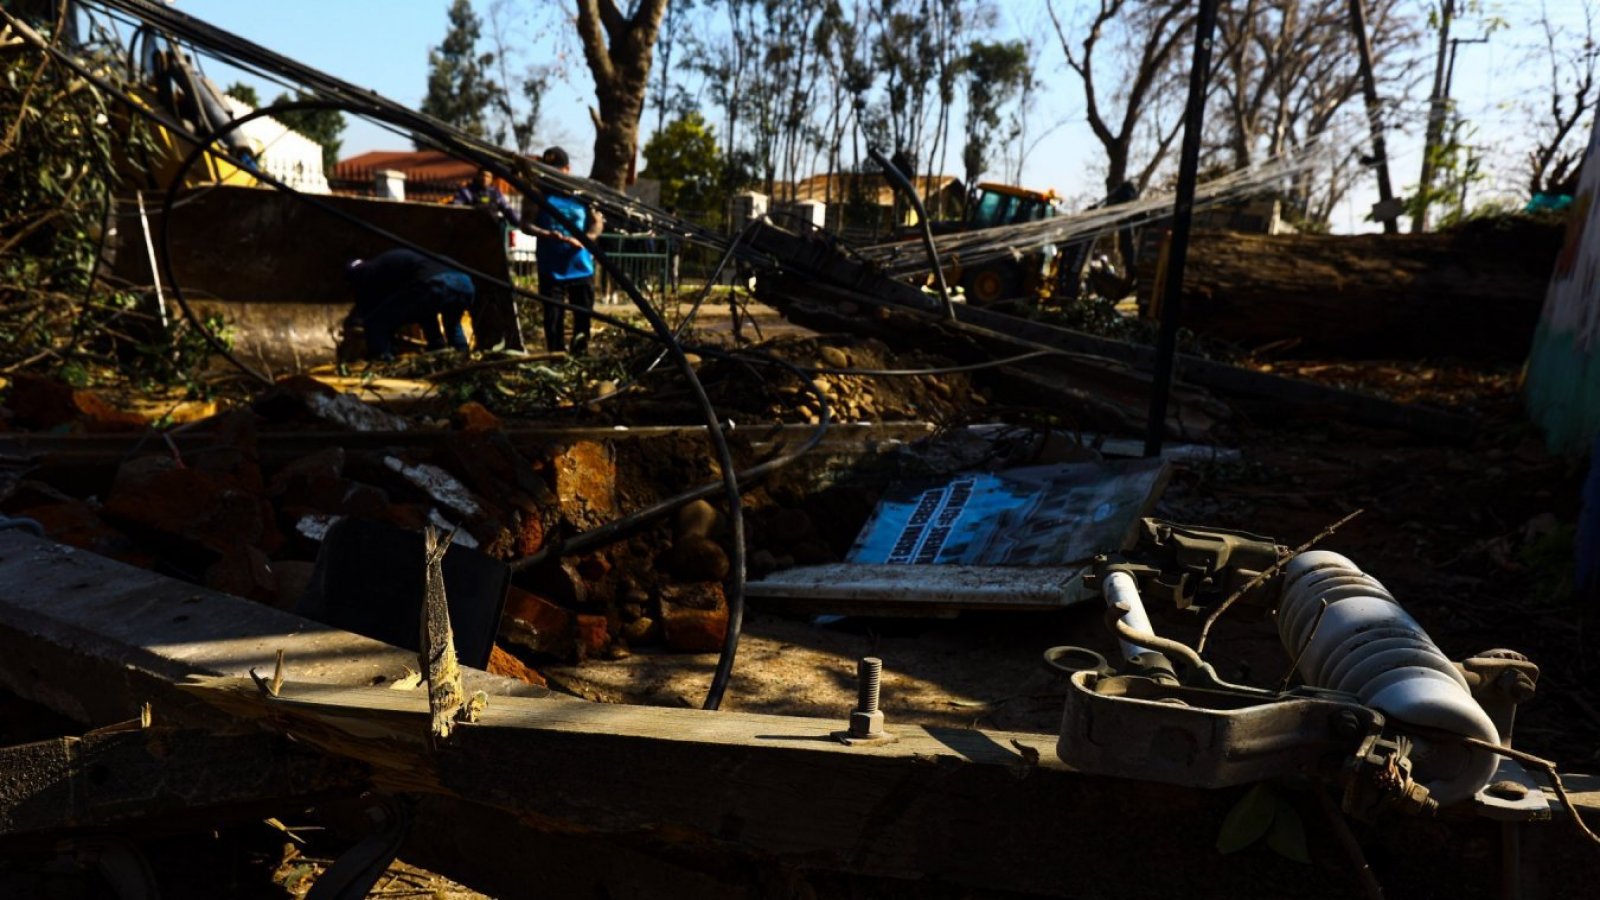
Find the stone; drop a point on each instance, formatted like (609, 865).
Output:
(504, 662)
(834, 358)
(698, 559)
(812, 552)
(761, 563)
(534, 623)
(473, 416)
(789, 526)
(324, 465)
(293, 577)
(698, 519)
(244, 572)
(99, 416)
(641, 631)
(40, 403)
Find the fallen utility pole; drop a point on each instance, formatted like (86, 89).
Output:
(796, 287)
(668, 790)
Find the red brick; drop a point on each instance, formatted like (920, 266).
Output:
(203, 508)
(532, 622)
(474, 416)
(40, 403)
(593, 635)
(78, 524)
(586, 483)
(694, 617)
(503, 662)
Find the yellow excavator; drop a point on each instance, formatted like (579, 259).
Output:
(266, 262)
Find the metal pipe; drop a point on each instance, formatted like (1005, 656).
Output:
(1122, 595)
(1182, 217)
(903, 185)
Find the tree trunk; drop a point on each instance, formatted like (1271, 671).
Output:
(618, 50)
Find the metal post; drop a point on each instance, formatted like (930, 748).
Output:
(1182, 215)
(1386, 207)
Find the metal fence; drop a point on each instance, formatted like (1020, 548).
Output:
(650, 262)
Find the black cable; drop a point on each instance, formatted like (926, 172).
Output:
(482, 153)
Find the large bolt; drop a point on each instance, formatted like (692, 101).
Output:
(866, 721)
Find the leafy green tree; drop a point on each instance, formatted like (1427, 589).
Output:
(684, 157)
(243, 93)
(995, 74)
(460, 90)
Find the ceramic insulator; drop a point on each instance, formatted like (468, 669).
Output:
(1368, 646)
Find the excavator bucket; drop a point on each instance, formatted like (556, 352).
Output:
(270, 265)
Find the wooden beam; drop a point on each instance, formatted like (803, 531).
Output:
(681, 788)
(94, 639)
(979, 808)
(161, 777)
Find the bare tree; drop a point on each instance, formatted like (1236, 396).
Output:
(1125, 57)
(1286, 79)
(1559, 141)
(618, 49)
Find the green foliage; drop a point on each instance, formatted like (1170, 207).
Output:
(995, 74)
(1262, 813)
(243, 93)
(683, 156)
(67, 150)
(460, 91)
(1456, 168)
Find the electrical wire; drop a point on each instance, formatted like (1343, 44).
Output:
(471, 149)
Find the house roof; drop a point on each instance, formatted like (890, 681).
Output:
(419, 165)
(838, 186)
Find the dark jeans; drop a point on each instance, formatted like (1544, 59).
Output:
(578, 292)
(424, 303)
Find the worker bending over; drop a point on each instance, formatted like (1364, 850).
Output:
(402, 287)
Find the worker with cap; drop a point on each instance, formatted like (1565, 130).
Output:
(402, 287)
(481, 193)
(566, 267)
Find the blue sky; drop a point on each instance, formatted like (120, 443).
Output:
(384, 46)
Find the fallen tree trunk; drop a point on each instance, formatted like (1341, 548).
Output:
(1471, 293)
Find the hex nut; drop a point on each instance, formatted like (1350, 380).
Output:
(865, 725)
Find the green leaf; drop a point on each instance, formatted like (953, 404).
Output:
(1248, 820)
(1287, 837)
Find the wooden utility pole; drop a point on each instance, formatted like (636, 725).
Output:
(1387, 210)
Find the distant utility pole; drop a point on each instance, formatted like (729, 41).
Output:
(1387, 210)
(1438, 108)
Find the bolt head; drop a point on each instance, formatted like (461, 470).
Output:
(866, 724)
(1508, 790)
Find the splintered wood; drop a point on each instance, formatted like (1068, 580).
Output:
(438, 651)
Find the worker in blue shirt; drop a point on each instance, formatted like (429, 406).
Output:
(566, 268)
(480, 193)
(402, 287)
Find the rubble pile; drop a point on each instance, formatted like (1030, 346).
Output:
(244, 504)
